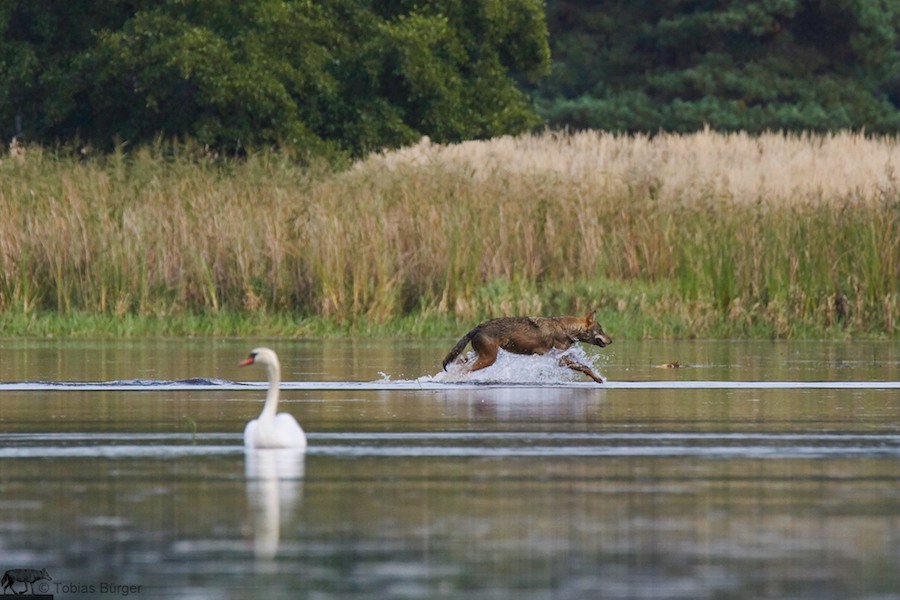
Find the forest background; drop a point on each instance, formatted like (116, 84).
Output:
(296, 167)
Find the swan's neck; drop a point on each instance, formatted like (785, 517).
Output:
(271, 405)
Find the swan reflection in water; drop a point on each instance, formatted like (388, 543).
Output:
(274, 446)
(274, 491)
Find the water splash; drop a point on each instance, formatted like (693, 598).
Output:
(520, 369)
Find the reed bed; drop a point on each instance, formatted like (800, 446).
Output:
(671, 235)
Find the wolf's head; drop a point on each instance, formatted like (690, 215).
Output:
(593, 333)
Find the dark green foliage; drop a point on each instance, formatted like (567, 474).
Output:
(331, 77)
(680, 65)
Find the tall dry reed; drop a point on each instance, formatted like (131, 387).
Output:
(764, 233)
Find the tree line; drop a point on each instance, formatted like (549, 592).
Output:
(345, 77)
(757, 65)
(327, 77)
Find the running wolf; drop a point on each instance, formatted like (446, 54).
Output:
(26, 576)
(531, 335)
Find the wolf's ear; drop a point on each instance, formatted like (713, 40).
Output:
(589, 318)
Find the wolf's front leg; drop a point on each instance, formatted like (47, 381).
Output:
(571, 363)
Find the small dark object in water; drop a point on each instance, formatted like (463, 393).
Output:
(671, 365)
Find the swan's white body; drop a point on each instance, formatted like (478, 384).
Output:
(272, 429)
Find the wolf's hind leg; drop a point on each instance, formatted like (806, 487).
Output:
(573, 364)
(486, 354)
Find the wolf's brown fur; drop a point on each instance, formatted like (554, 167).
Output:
(531, 335)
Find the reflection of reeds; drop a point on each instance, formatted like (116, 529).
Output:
(768, 234)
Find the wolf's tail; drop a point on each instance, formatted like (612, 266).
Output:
(451, 356)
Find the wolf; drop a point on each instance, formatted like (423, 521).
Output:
(531, 335)
(27, 576)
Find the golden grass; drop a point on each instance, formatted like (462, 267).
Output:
(766, 235)
(679, 168)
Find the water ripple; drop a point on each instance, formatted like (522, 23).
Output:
(465, 445)
(425, 384)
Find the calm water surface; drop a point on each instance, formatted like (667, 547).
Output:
(429, 488)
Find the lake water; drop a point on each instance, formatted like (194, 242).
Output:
(761, 470)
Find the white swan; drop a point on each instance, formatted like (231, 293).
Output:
(271, 430)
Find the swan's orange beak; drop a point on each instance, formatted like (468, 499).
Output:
(247, 361)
